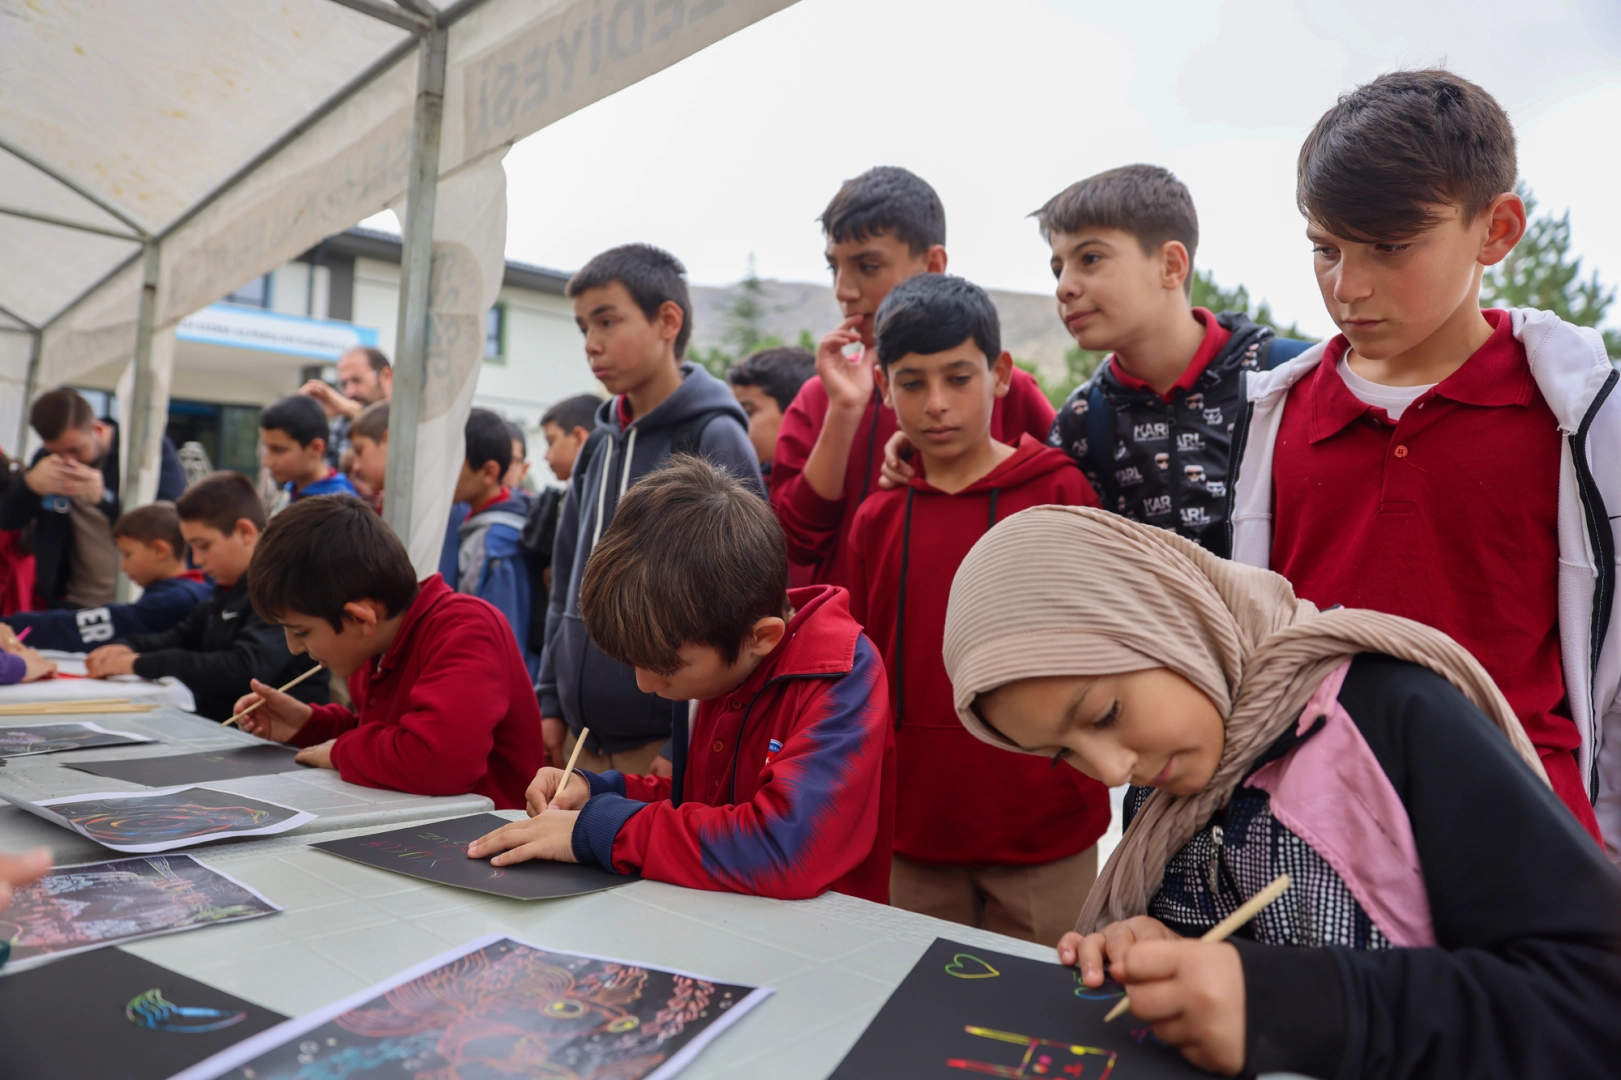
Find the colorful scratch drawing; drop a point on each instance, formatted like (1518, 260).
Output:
(964, 1011)
(438, 852)
(1042, 1057)
(151, 1010)
(50, 738)
(495, 1008)
(74, 908)
(152, 821)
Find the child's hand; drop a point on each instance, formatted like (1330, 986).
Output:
(1193, 995)
(662, 768)
(548, 790)
(896, 472)
(1091, 952)
(848, 382)
(280, 717)
(545, 836)
(19, 870)
(110, 660)
(553, 734)
(35, 666)
(319, 755)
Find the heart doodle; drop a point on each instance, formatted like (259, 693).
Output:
(966, 966)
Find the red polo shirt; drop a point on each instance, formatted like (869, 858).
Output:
(1216, 337)
(1448, 517)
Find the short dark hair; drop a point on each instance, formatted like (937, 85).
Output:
(931, 313)
(372, 423)
(487, 440)
(887, 199)
(780, 372)
(515, 434)
(151, 523)
(1147, 201)
(572, 412)
(299, 416)
(221, 499)
(693, 556)
(324, 552)
(651, 275)
(59, 410)
(375, 357)
(1377, 162)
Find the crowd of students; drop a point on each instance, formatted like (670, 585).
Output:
(880, 619)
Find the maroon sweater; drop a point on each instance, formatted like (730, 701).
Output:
(905, 547)
(447, 710)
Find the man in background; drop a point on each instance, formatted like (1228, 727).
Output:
(70, 493)
(364, 378)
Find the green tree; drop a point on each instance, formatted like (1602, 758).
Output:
(1540, 273)
(1207, 294)
(745, 328)
(1079, 364)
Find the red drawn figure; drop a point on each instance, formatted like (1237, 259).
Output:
(1042, 1057)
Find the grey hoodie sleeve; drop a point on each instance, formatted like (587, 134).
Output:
(563, 550)
(727, 445)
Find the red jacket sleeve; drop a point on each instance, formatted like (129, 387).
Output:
(648, 788)
(325, 722)
(1025, 409)
(440, 744)
(810, 522)
(813, 820)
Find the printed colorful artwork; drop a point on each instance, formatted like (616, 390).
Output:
(500, 1007)
(22, 740)
(109, 1013)
(964, 1011)
(74, 908)
(151, 821)
(174, 769)
(438, 852)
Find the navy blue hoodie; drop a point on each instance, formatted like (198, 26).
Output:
(577, 681)
(162, 605)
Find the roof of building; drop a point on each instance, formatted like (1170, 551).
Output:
(385, 247)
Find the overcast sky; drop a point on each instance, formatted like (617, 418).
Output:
(1000, 105)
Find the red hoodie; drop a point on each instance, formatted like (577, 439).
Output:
(447, 710)
(789, 784)
(818, 529)
(905, 547)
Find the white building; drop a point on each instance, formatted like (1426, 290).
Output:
(237, 355)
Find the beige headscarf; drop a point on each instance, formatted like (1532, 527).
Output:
(1070, 591)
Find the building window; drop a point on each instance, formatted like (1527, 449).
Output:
(495, 333)
(255, 293)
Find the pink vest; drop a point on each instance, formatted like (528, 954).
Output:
(1331, 792)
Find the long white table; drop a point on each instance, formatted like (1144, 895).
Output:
(336, 804)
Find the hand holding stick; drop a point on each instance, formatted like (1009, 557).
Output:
(280, 690)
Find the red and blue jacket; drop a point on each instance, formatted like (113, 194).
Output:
(788, 786)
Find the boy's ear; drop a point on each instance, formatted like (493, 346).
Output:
(365, 614)
(162, 549)
(1174, 265)
(580, 434)
(880, 375)
(491, 472)
(1002, 373)
(1505, 226)
(765, 635)
(935, 259)
(249, 531)
(669, 320)
(319, 445)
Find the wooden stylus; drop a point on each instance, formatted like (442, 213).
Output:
(568, 770)
(1224, 929)
(279, 690)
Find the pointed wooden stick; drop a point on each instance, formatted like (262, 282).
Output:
(1224, 929)
(279, 690)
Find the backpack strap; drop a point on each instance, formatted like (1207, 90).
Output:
(1281, 350)
(1100, 444)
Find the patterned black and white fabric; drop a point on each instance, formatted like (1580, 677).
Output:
(1236, 855)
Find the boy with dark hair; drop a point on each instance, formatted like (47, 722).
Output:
(765, 383)
(222, 644)
(152, 554)
(787, 789)
(1436, 461)
(567, 425)
(519, 467)
(293, 437)
(883, 227)
(1020, 856)
(443, 704)
(368, 439)
(490, 561)
(631, 303)
(70, 494)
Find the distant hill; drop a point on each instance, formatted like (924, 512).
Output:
(1030, 326)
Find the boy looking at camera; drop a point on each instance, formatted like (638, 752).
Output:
(222, 644)
(1458, 467)
(1021, 859)
(883, 227)
(786, 787)
(443, 703)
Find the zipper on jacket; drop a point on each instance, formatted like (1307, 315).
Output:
(742, 725)
(1603, 541)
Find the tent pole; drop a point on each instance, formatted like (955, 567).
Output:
(416, 265)
(30, 388)
(138, 418)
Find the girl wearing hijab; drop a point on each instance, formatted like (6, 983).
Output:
(1447, 916)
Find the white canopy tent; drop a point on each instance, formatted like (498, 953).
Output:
(156, 155)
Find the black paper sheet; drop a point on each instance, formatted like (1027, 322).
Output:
(160, 772)
(108, 1013)
(964, 1011)
(437, 852)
